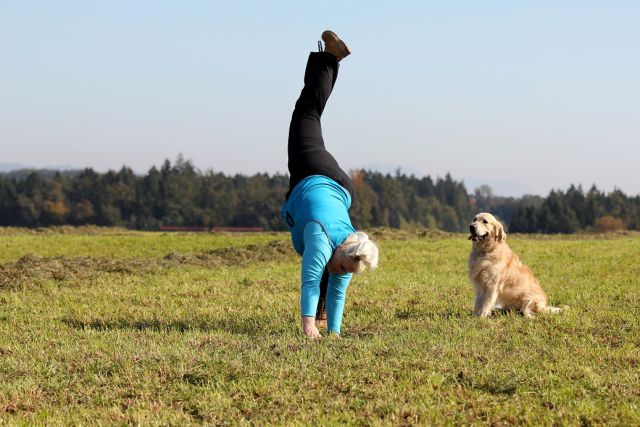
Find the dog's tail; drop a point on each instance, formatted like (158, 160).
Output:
(551, 309)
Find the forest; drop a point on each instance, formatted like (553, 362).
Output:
(179, 194)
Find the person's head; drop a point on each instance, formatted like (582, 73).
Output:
(354, 255)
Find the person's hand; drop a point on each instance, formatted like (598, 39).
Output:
(309, 328)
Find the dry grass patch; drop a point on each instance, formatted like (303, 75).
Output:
(30, 269)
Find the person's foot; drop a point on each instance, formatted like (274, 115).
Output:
(335, 46)
(309, 328)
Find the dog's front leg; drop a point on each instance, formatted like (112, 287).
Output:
(477, 307)
(489, 302)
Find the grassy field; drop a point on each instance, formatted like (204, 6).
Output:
(118, 327)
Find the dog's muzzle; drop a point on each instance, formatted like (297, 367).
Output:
(474, 234)
(477, 238)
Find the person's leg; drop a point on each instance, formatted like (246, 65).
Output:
(306, 150)
(336, 295)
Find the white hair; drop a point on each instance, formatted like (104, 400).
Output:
(362, 250)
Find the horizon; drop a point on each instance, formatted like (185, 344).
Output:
(509, 188)
(527, 97)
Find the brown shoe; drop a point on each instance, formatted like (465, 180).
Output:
(321, 314)
(321, 311)
(334, 45)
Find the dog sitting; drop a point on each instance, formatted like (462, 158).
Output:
(499, 278)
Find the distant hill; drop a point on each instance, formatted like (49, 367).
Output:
(21, 174)
(8, 167)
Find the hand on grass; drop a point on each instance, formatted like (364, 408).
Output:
(309, 327)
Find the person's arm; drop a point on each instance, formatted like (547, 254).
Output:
(316, 255)
(336, 294)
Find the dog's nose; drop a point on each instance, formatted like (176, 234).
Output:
(472, 228)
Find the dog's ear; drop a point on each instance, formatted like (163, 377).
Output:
(501, 235)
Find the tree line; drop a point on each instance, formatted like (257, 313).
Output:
(180, 195)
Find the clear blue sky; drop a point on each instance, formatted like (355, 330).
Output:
(539, 94)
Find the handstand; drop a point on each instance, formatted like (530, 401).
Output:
(319, 197)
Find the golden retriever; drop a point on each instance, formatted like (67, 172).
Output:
(500, 279)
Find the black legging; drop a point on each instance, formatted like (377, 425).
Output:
(307, 154)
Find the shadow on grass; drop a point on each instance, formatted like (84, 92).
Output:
(496, 388)
(245, 326)
(414, 313)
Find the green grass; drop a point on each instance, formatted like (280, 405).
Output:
(162, 340)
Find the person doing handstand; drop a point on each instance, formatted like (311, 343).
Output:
(319, 198)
